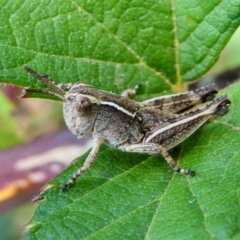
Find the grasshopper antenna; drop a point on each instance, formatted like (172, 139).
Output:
(59, 92)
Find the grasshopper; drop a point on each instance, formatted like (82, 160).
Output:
(153, 126)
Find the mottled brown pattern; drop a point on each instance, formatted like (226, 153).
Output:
(152, 126)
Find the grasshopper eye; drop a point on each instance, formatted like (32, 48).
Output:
(84, 105)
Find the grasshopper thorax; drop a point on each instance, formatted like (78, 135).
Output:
(80, 108)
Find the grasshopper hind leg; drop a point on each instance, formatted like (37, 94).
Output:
(177, 103)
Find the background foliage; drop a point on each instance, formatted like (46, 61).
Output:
(112, 45)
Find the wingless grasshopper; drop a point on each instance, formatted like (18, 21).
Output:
(153, 126)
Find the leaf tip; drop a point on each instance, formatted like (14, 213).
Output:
(37, 198)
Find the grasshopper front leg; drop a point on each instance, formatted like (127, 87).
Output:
(87, 164)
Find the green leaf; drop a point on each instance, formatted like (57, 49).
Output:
(113, 45)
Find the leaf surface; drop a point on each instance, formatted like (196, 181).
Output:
(113, 45)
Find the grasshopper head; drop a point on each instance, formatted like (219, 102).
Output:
(80, 103)
(80, 108)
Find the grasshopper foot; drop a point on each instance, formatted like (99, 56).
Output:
(186, 172)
